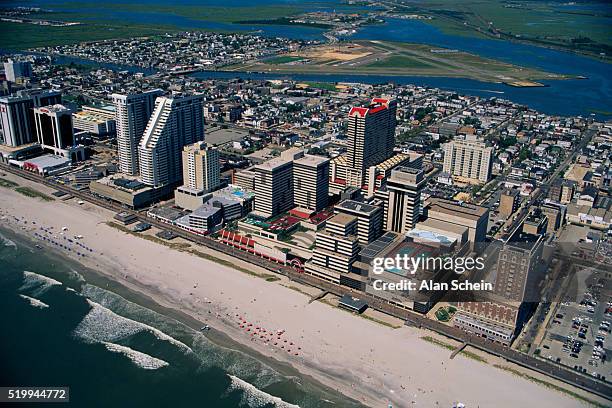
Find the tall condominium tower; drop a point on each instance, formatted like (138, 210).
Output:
(371, 137)
(174, 123)
(17, 70)
(201, 168)
(469, 160)
(311, 182)
(404, 201)
(132, 115)
(17, 115)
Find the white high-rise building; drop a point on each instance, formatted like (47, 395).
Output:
(469, 160)
(132, 113)
(311, 182)
(201, 168)
(17, 70)
(174, 124)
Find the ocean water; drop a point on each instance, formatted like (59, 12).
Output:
(63, 325)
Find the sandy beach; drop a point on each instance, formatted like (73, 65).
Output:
(363, 359)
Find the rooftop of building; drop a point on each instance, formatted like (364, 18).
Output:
(457, 208)
(376, 247)
(377, 105)
(510, 192)
(342, 219)
(167, 213)
(124, 182)
(271, 165)
(205, 210)
(196, 147)
(311, 160)
(48, 160)
(395, 160)
(523, 240)
(57, 108)
(442, 225)
(93, 116)
(234, 192)
(340, 160)
(407, 174)
(358, 207)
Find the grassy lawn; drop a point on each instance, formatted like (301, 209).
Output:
(30, 192)
(283, 59)
(442, 315)
(22, 36)
(7, 183)
(203, 12)
(322, 85)
(532, 20)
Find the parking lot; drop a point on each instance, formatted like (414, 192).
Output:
(578, 334)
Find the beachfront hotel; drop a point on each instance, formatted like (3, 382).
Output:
(174, 124)
(337, 247)
(201, 171)
(132, 113)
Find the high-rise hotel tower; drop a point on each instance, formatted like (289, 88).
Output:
(371, 137)
(174, 124)
(132, 115)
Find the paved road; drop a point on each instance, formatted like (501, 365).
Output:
(542, 191)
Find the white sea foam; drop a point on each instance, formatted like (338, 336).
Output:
(142, 360)
(37, 282)
(7, 242)
(77, 275)
(103, 325)
(35, 302)
(254, 397)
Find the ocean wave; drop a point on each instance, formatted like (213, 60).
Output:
(254, 397)
(35, 302)
(234, 362)
(142, 360)
(37, 283)
(103, 325)
(77, 276)
(7, 242)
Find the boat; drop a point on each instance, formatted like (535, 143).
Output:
(203, 328)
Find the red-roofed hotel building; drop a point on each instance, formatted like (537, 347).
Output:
(371, 137)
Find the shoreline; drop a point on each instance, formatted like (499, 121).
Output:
(338, 350)
(134, 294)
